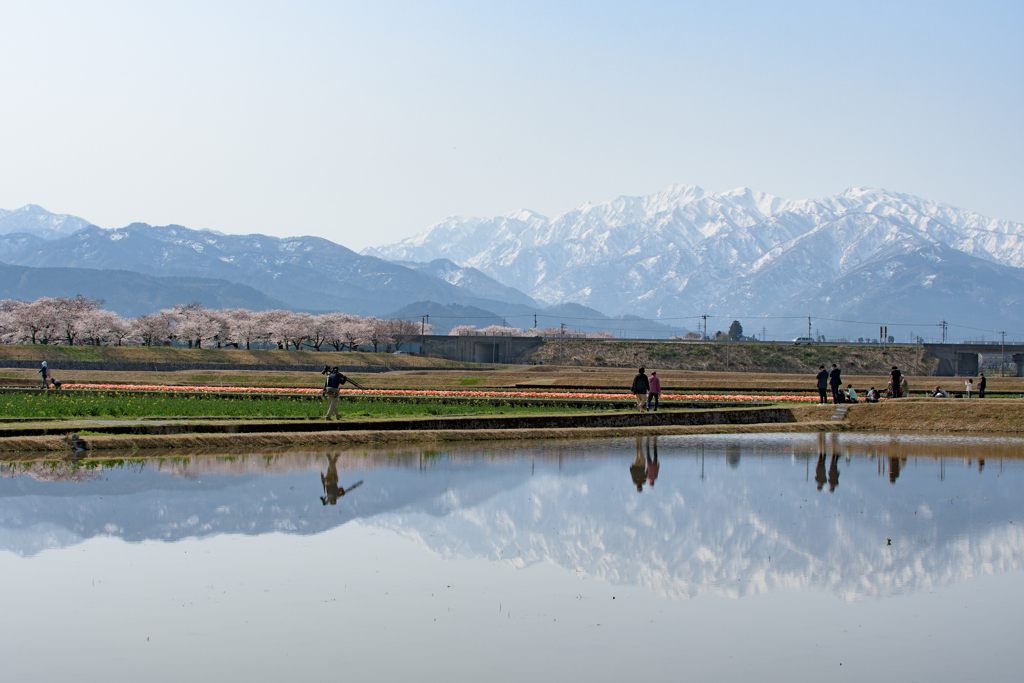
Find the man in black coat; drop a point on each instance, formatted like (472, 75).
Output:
(822, 385)
(981, 385)
(639, 389)
(894, 377)
(834, 382)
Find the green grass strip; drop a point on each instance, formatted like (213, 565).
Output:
(171, 406)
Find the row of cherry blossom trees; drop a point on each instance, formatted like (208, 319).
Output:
(80, 320)
(547, 332)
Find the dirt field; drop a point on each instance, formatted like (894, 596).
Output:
(546, 376)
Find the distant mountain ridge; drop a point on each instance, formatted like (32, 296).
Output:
(303, 273)
(129, 294)
(682, 252)
(37, 221)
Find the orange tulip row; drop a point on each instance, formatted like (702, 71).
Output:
(438, 393)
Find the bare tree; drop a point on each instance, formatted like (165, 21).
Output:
(401, 331)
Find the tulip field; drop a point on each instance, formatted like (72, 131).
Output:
(438, 393)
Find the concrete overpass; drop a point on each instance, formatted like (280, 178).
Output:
(478, 348)
(962, 359)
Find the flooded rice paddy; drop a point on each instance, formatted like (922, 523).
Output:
(755, 557)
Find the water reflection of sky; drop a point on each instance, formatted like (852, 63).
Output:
(893, 557)
(858, 516)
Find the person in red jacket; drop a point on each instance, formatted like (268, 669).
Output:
(653, 391)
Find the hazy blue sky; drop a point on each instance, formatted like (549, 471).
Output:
(367, 122)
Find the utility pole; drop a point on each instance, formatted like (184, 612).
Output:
(808, 326)
(943, 324)
(534, 321)
(705, 317)
(423, 325)
(1002, 356)
(561, 336)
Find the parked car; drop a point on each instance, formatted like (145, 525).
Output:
(803, 340)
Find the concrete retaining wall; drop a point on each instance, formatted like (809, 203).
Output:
(660, 419)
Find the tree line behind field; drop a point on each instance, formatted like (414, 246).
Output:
(81, 320)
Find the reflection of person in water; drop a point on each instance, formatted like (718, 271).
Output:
(894, 470)
(652, 465)
(819, 472)
(638, 470)
(330, 483)
(833, 473)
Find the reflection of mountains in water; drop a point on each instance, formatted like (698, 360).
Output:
(754, 522)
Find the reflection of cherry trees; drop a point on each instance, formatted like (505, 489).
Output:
(50, 471)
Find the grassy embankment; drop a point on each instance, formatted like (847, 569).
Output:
(167, 354)
(723, 357)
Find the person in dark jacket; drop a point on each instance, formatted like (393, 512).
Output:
(639, 388)
(894, 376)
(981, 385)
(822, 385)
(332, 389)
(835, 381)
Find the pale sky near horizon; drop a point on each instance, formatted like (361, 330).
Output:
(366, 122)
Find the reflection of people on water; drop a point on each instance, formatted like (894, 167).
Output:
(638, 470)
(894, 470)
(981, 464)
(819, 472)
(833, 473)
(652, 465)
(330, 483)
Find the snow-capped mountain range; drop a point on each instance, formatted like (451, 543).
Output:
(38, 221)
(865, 253)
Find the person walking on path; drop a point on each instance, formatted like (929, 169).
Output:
(894, 377)
(835, 381)
(654, 391)
(639, 388)
(969, 387)
(822, 385)
(332, 389)
(44, 372)
(904, 387)
(981, 386)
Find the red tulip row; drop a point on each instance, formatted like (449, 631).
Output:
(437, 393)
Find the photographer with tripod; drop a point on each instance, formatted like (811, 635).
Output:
(332, 388)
